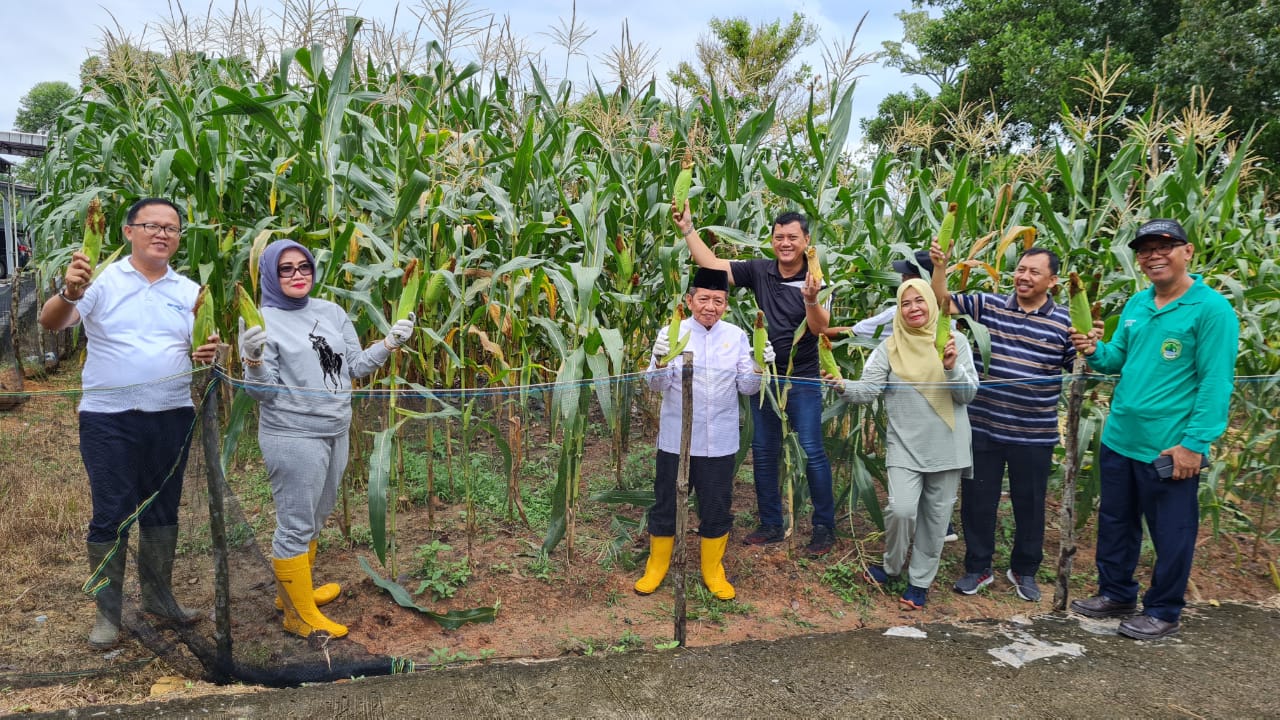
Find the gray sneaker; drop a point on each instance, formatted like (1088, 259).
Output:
(971, 583)
(1025, 585)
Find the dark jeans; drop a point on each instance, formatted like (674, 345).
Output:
(130, 456)
(804, 412)
(1131, 491)
(980, 500)
(710, 479)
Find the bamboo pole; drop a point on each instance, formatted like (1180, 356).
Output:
(1070, 472)
(209, 439)
(682, 491)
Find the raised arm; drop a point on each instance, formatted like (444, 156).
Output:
(938, 278)
(702, 254)
(59, 311)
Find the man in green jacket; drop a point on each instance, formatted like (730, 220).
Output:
(1175, 352)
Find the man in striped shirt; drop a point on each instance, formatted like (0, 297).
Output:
(1014, 417)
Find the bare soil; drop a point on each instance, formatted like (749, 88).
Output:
(572, 605)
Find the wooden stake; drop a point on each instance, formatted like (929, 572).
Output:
(1070, 471)
(682, 491)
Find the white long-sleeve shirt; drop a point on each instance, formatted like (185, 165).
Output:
(722, 368)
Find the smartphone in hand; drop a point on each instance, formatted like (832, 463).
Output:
(1164, 465)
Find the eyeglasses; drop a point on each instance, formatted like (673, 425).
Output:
(1162, 249)
(154, 229)
(284, 272)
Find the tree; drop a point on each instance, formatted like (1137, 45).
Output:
(753, 63)
(1026, 59)
(38, 109)
(1230, 49)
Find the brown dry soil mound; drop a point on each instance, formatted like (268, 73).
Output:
(1224, 663)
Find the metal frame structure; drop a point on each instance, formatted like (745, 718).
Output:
(14, 197)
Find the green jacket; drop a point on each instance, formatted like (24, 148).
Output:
(1176, 367)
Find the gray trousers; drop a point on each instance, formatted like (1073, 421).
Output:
(916, 516)
(304, 474)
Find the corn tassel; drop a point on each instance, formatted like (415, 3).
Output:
(1081, 312)
(827, 358)
(249, 312)
(204, 325)
(815, 266)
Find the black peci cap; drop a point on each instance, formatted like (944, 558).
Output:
(708, 279)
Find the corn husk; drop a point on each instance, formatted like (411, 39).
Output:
(827, 358)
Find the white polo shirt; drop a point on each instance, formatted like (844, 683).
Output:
(139, 332)
(722, 368)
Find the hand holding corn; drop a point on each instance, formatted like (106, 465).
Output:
(253, 342)
(400, 333)
(661, 346)
(949, 354)
(79, 273)
(683, 219)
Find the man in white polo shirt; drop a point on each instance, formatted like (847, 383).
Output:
(136, 411)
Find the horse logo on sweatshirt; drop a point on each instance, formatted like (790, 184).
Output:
(330, 361)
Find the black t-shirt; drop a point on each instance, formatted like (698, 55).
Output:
(783, 307)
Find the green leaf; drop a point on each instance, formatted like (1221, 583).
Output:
(451, 620)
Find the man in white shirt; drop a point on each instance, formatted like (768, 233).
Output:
(136, 413)
(722, 368)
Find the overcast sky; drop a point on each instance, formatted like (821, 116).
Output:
(45, 40)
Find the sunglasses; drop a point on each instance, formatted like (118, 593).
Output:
(285, 272)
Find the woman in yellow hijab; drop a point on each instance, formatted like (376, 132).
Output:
(928, 442)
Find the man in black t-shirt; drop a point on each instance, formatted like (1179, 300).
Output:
(788, 297)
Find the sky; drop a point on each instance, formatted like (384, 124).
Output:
(47, 40)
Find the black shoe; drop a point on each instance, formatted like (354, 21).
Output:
(824, 538)
(765, 535)
(1101, 606)
(1145, 627)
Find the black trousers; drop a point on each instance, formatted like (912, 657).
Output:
(710, 479)
(129, 457)
(1028, 467)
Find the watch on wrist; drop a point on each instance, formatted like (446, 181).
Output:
(63, 294)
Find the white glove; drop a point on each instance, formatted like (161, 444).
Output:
(769, 354)
(253, 341)
(661, 346)
(401, 330)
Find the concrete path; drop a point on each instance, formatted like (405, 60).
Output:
(1225, 663)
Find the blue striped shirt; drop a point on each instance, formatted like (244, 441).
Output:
(1017, 402)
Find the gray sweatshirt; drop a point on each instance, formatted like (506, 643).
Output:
(918, 439)
(303, 386)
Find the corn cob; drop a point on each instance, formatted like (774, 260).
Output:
(1081, 313)
(95, 228)
(410, 292)
(948, 230)
(943, 331)
(435, 285)
(684, 181)
(815, 267)
(204, 323)
(626, 266)
(673, 331)
(827, 358)
(249, 312)
(758, 338)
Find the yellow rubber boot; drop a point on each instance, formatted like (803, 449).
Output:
(324, 594)
(300, 614)
(659, 562)
(713, 568)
